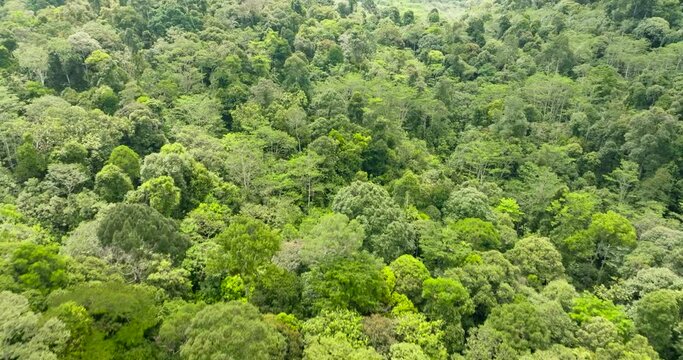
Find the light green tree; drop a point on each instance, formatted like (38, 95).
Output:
(232, 329)
(24, 335)
(112, 183)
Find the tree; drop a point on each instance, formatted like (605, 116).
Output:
(559, 352)
(480, 234)
(408, 190)
(277, 290)
(537, 188)
(329, 348)
(644, 282)
(67, 178)
(173, 14)
(71, 153)
(127, 160)
(331, 236)
(441, 248)
(147, 135)
(572, 213)
(654, 29)
(30, 163)
(652, 139)
(49, 125)
(372, 207)
(112, 183)
(346, 325)
(489, 278)
(160, 193)
(140, 230)
(410, 275)
(356, 283)
(509, 207)
(105, 99)
(446, 299)
(231, 329)
(624, 178)
(538, 260)
(290, 327)
(356, 107)
(248, 244)
(102, 72)
(191, 177)
(467, 203)
(304, 170)
(475, 29)
(513, 122)
(637, 346)
(557, 56)
(560, 291)
(245, 160)
(380, 332)
(408, 18)
(488, 343)
(597, 333)
(369, 204)
(122, 314)
(619, 9)
(356, 45)
(433, 15)
(483, 158)
(174, 282)
(37, 267)
(24, 335)
(78, 323)
(42, 201)
(206, 279)
(416, 329)
(398, 238)
(296, 74)
(388, 33)
(173, 329)
(33, 59)
(657, 317)
(296, 124)
(206, 221)
(407, 351)
(595, 253)
(198, 110)
(549, 94)
(588, 306)
(520, 326)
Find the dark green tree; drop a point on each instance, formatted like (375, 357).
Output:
(141, 230)
(30, 163)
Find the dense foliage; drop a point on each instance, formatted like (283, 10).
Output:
(321, 179)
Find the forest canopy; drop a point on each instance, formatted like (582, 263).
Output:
(341, 179)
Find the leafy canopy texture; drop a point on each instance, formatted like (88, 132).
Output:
(231, 330)
(341, 179)
(140, 230)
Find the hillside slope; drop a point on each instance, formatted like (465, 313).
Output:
(311, 179)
